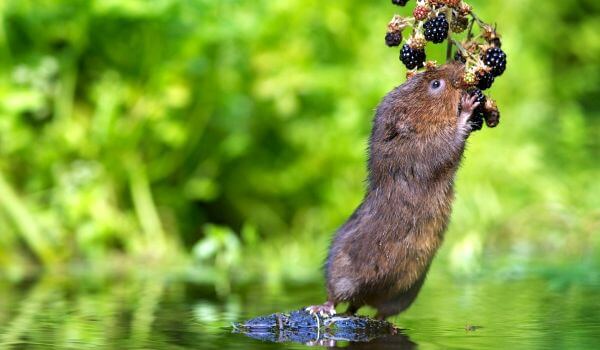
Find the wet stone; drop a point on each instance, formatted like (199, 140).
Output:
(302, 327)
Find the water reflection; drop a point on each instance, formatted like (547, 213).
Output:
(134, 312)
(399, 340)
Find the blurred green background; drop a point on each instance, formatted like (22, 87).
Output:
(227, 139)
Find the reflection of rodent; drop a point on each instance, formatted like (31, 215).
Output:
(381, 255)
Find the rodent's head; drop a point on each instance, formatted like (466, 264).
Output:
(418, 123)
(425, 105)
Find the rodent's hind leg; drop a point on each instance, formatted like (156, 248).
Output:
(468, 104)
(352, 309)
(326, 309)
(400, 302)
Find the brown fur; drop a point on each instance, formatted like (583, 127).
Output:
(381, 255)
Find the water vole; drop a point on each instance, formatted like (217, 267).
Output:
(381, 255)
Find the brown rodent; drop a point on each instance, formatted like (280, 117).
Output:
(381, 255)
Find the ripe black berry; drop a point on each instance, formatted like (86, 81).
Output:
(436, 29)
(412, 58)
(495, 58)
(476, 122)
(480, 98)
(393, 38)
(399, 2)
(485, 81)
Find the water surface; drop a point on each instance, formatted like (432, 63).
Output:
(159, 313)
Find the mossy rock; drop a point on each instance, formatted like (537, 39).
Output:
(302, 327)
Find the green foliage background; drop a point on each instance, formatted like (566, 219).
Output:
(230, 136)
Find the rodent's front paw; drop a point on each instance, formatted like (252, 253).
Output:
(468, 105)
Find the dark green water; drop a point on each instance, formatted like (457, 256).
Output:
(157, 313)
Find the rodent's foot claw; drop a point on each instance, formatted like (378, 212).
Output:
(325, 310)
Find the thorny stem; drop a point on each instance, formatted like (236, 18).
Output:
(466, 54)
(470, 32)
(479, 21)
(460, 48)
(449, 47)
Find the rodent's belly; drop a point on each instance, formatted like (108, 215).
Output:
(377, 263)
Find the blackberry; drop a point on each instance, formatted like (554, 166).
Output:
(476, 122)
(495, 58)
(485, 81)
(436, 29)
(412, 58)
(480, 98)
(399, 2)
(393, 38)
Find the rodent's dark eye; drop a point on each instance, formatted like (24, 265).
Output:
(436, 87)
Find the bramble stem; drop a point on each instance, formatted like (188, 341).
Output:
(479, 21)
(470, 32)
(449, 47)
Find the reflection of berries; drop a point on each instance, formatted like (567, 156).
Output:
(393, 38)
(496, 59)
(485, 80)
(399, 2)
(412, 58)
(436, 29)
(420, 13)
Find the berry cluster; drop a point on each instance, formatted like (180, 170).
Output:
(438, 20)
